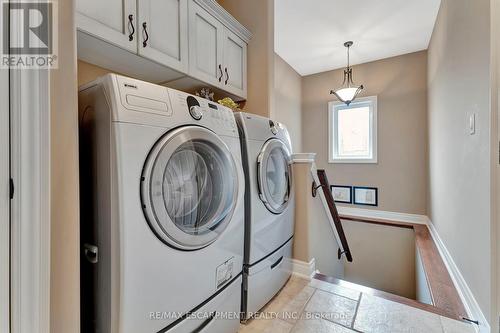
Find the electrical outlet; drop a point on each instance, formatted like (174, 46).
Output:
(472, 124)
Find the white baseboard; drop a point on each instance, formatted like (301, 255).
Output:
(381, 214)
(304, 269)
(468, 299)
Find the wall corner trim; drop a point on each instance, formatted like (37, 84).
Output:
(30, 207)
(468, 299)
(304, 269)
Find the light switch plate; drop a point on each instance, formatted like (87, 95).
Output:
(472, 124)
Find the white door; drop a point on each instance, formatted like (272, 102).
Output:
(163, 32)
(4, 202)
(235, 60)
(205, 46)
(114, 21)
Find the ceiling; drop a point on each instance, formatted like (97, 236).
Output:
(309, 34)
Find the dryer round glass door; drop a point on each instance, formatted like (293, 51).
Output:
(274, 175)
(189, 187)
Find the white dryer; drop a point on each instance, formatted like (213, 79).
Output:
(269, 209)
(162, 210)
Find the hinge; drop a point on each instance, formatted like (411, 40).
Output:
(11, 189)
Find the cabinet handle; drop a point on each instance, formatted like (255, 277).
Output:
(131, 23)
(221, 74)
(145, 27)
(227, 76)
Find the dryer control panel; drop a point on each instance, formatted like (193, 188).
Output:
(210, 114)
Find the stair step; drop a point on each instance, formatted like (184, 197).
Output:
(391, 297)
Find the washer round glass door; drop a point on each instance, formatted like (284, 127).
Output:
(274, 175)
(189, 188)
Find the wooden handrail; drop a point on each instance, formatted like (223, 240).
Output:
(323, 179)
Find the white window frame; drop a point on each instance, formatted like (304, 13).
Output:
(332, 132)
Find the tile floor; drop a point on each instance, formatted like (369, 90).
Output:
(320, 307)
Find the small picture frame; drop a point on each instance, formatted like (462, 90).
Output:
(341, 193)
(367, 196)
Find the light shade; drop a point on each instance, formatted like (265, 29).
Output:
(348, 94)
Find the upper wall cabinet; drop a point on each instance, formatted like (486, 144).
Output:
(187, 43)
(205, 40)
(235, 63)
(217, 54)
(163, 32)
(154, 29)
(111, 20)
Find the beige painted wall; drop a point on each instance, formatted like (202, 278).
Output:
(288, 100)
(313, 237)
(89, 72)
(65, 256)
(459, 163)
(401, 172)
(258, 17)
(383, 257)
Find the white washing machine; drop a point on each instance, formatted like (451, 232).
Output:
(162, 213)
(269, 209)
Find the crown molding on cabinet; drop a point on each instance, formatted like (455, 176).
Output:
(227, 19)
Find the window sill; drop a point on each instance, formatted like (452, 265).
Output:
(353, 161)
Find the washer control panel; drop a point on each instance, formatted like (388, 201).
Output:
(207, 113)
(194, 107)
(195, 112)
(222, 115)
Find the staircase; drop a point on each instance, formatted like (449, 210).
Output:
(442, 296)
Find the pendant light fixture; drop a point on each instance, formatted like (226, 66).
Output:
(348, 91)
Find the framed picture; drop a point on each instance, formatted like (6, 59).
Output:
(341, 194)
(367, 196)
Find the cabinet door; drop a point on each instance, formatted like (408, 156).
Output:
(205, 45)
(163, 31)
(114, 21)
(235, 64)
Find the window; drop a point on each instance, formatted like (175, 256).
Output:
(353, 131)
